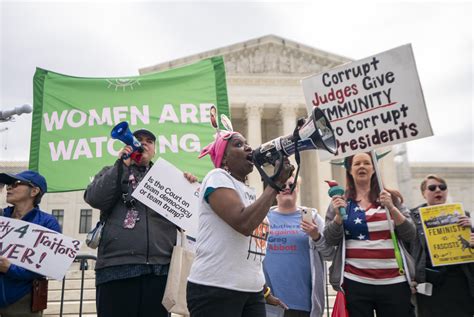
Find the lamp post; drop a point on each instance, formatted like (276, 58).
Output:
(7, 115)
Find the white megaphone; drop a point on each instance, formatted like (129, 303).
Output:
(18, 110)
(315, 133)
(312, 134)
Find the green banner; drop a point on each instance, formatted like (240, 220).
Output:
(73, 117)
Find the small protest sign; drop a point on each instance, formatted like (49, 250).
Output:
(371, 103)
(448, 243)
(165, 190)
(37, 248)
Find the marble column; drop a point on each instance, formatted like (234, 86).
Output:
(253, 112)
(288, 118)
(288, 123)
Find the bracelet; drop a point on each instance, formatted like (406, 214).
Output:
(267, 292)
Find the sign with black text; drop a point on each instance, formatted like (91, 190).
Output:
(165, 190)
(448, 242)
(371, 103)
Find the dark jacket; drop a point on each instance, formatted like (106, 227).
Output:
(152, 239)
(419, 249)
(17, 282)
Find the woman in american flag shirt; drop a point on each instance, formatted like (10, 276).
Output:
(365, 266)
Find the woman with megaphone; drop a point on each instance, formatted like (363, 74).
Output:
(369, 266)
(226, 277)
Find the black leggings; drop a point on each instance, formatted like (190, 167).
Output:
(132, 297)
(387, 300)
(209, 301)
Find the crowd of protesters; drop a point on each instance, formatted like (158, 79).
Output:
(248, 253)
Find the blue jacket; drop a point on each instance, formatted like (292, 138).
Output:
(17, 282)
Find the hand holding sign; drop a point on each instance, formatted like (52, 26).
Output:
(464, 221)
(4, 264)
(190, 177)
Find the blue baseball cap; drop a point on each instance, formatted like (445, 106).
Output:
(31, 177)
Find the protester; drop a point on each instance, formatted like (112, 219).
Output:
(24, 193)
(293, 267)
(453, 285)
(226, 277)
(136, 245)
(365, 265)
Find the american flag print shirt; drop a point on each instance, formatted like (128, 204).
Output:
(370, 256)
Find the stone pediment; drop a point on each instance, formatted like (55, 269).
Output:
(268, 55)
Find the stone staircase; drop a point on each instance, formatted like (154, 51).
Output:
(72, 289)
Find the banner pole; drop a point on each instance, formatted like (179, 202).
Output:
(379, 181)
(398, 256)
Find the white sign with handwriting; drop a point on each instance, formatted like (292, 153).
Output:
(165, 190)
(37, 248)
(373, 102)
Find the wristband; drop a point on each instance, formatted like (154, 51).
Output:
(267, 292)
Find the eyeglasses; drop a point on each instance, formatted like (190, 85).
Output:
(17, 183)
(289, 185)
(441, 187)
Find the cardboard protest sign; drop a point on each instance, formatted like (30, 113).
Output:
(371, 103)
(165, 190)
(37, 248)
(448, 243)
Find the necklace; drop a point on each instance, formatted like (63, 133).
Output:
(230, 173)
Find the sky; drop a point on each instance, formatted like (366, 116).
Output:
(116, 38)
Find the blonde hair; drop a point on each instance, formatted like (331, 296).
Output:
(431, 176)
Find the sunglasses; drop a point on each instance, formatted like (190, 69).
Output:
(441, 187)
(289, 185)
(17, 183)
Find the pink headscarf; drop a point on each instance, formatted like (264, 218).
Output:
(217, 148)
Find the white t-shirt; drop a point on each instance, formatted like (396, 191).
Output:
(224, 257)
